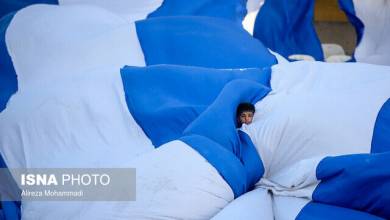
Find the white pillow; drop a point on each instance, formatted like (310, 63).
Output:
(132, 10)
(49, 41)
(253, 205)
(70, 109)
(317, 109)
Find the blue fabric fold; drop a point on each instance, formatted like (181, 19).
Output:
(349, 9)
(250, 159)
(198, 106)
(381, 136)
(214, 135)
(357, 181)
(286, 27)
(8, 86)
(320, 211)
(234, 10)
(8, 6)
(224, 161)
(200, 41)
(8, 78)
(165, 99)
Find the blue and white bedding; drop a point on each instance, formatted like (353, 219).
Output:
(283, 26)
(286, 26)
(73, 107)
(55, 71)
(62, 95)
(233, 10)
(165, 99)
(129, 10)
(201, 41)
(371, 21)
(315, 113)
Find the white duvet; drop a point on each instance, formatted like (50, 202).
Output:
(375, 44)
(70, 111)
(70, 108)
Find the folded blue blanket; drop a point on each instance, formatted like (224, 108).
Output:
(355, 186)
(214, 135)
(234, 10)
(359, 181)
(286, 27)
(198, 106)
(349, 9)
(8, 6)
(165, 99)
(8, 80)
(201, 41)
(320, 211)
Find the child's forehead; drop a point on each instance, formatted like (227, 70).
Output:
(245, 112)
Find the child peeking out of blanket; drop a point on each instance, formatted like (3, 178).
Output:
(245, 112)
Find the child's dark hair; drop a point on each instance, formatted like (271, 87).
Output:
(245, 107)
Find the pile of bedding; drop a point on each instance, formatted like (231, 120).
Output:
(371, 22)
(87, 86)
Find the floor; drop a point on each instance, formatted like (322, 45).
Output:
(341, 33)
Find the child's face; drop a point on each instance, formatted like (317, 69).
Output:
(246, 117)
